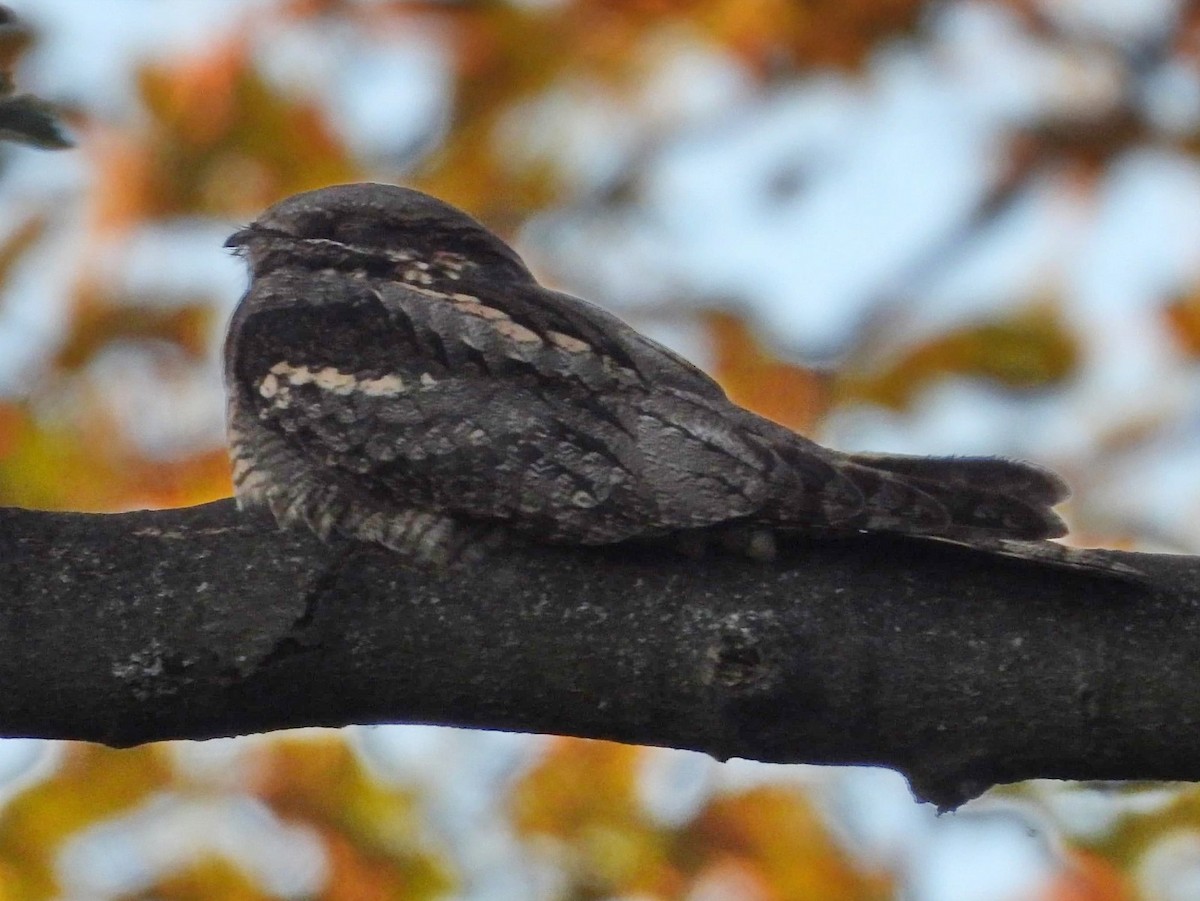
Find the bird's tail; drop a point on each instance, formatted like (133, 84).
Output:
(991, 473)
(988, 504)
(985, 497)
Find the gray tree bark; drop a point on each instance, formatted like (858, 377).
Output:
(958, 669)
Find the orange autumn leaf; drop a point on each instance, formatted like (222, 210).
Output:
(1182, 317)
(776, 833)
(98, 325)
(15, 39)
(578, 781)
(808, 34)
(1105, 864)
(196, 98)
(1088, 877)
(755, 378)
(14, 422)
(504, 56)
(583, 794)
(768, 842)
(242, 150)
(220, 139)
(733, 877)
(321, 778)
(197, 479)
(372, 831)
(363, 873)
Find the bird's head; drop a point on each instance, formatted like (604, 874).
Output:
(384, 230)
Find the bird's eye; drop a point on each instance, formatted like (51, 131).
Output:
(355, 231)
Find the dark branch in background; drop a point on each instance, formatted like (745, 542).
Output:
(24, 118)
(958, 669)
(28, 120)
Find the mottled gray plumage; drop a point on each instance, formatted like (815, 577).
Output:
(396, 374)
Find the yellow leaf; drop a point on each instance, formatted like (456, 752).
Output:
(583, 794)
(1029, 350)
(204, 880)
(92, 784)
(372, 832)
(776, 834)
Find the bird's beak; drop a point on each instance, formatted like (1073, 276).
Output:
(241, 237)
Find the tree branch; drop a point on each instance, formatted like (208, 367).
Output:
(958, 669)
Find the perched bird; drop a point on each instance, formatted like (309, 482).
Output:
(395, 374)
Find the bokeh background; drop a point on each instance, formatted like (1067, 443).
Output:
(904, 225)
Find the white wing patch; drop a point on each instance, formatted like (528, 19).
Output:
(569, 344)
(276, 384)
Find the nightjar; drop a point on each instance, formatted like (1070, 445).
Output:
(395, 374)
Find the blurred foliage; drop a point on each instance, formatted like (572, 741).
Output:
(1089, 877)
(370, 831)
(90, 785)
(764, 843)
(1183, 319)
(215, 135)
(1030, 349)
(206, 879)
(218, 139)
(755, 377)
(372, 835)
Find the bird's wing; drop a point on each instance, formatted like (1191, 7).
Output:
(553, 315)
